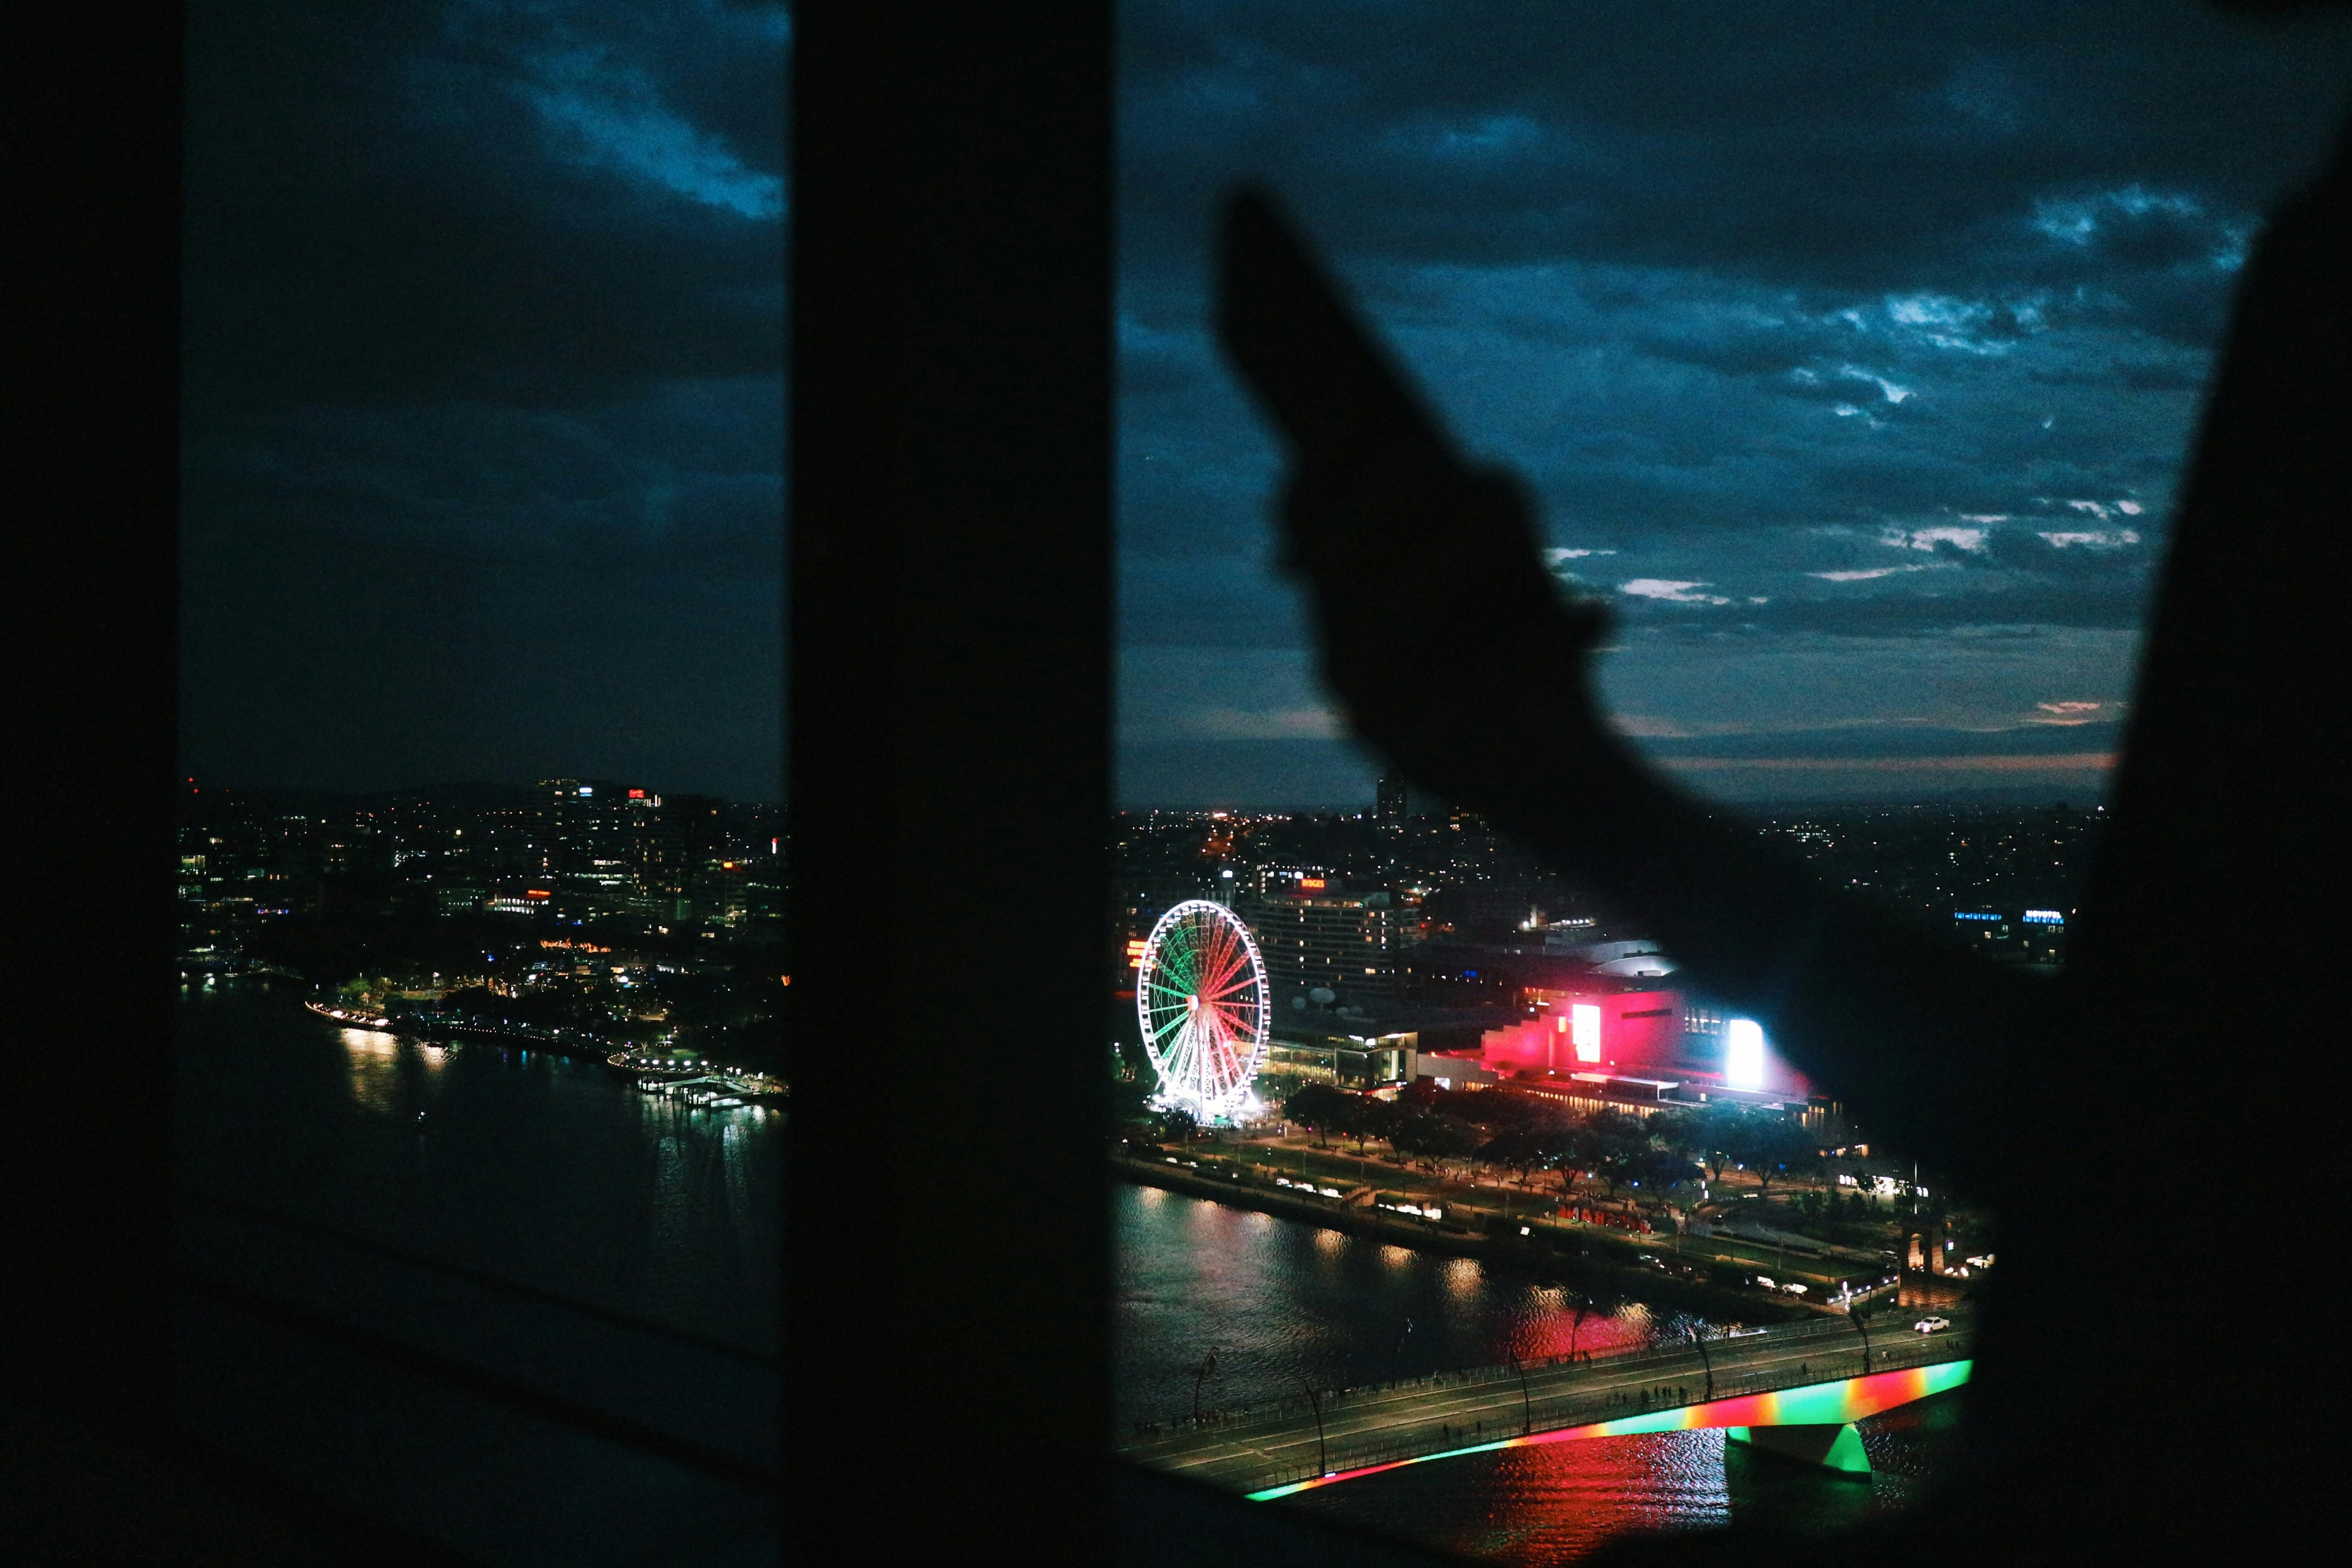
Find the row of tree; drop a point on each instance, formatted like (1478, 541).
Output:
(1530, 1136)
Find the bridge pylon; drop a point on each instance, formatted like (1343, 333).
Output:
(1828, 1446)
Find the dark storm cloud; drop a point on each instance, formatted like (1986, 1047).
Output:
(1827, 144)
(1820, 331)
(553, 204)
(1836, 341)
(485, 396)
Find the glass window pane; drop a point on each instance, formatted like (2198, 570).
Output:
(1851, 359)
(482, 859)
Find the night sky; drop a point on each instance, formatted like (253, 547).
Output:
(1853, 350)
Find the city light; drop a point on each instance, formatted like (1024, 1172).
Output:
(1743, 1053)
(1816, 1404)
(1584, 1030)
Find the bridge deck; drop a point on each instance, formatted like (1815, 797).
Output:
(1653, 1390)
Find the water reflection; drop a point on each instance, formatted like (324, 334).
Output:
(700, 1222)
(550, 1170)
(558, 1173)
(372, 1058)
(1544, 1505)
(1555, 1503)
(1281, 1302)
(731, 1156)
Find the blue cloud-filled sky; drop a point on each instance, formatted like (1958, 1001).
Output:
(1852, 352)
(484, 393)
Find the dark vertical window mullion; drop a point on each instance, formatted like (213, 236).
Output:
(93, 466)
(947, 1260)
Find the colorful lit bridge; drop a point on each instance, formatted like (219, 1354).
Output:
(1794, 1390)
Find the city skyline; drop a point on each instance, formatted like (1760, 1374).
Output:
(1853, 362)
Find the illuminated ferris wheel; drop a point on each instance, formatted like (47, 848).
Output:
(1201, 997)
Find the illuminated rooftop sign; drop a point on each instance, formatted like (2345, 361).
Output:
(2046, 917)
(1965, 915)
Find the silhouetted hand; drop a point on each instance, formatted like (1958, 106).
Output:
(1450, 647)
(1453, 651)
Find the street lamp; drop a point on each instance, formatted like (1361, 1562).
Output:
(1315, 1401)
(1527, 1406)
(1704, 1360)
(1208, 1365)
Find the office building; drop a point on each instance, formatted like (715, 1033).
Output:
(1320, 938)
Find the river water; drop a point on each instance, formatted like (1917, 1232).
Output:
(556, 1173)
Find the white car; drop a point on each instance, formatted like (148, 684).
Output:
(1931, 1325)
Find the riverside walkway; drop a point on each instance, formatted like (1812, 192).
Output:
(1811, 1375)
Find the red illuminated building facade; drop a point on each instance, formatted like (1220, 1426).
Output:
(1632, 1043)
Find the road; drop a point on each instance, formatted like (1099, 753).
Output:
(1274, 1445)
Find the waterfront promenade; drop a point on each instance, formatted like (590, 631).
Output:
(1602, 1261)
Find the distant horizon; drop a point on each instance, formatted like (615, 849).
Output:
(2022, 797)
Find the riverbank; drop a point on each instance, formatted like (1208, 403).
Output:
(1808, 1272)
(441, 1030)
(1584, 1262)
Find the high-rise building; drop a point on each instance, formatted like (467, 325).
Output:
(655, 850)
(1388, 804)
(564, 807)
(1346, 943)
(586, 827)
(700, 821)
(1137, 900)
